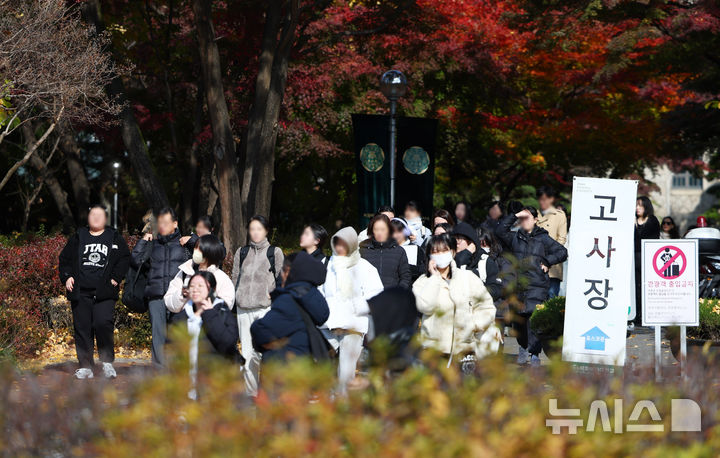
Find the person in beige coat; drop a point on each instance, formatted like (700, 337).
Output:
(254, 279)
(554, 221)
(458, 312)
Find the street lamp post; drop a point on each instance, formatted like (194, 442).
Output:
(116, 169)
(393, 85)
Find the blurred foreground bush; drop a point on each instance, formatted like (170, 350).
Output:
(425, 411)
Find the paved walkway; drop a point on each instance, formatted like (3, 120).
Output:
(640, 352)
(640, 347)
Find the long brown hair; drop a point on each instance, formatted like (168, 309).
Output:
(444, 214)
(374, 220)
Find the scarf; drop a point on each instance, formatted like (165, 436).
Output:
(342, 265)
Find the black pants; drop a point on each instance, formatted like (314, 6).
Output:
(526, 337)
(93, 321)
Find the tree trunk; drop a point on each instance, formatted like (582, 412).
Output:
(206, 191)
(259, 148)
(135, 145)
(189, 207)
(76, 171)
(52, 183)
(223, 150)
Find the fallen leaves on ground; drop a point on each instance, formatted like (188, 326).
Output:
(60, 348)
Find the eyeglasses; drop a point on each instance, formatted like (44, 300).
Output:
(666, 223)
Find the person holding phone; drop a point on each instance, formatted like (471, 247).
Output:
(210, 323)
(208, 255)
(458, 311)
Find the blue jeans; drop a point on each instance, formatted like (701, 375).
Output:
(554, 287)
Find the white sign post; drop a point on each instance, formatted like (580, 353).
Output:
(670, 290)
(600, 270)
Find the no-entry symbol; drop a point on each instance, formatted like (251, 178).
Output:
(669, 262)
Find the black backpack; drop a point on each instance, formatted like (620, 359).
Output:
(243, 254)
(135, 282)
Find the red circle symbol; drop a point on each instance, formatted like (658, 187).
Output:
(669, 268)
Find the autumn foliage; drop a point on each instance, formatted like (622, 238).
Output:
(28, 282)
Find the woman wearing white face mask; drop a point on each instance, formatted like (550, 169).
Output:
(208, 255)
(458, 312)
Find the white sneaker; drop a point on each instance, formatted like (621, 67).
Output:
(109, 370)
(83, 373)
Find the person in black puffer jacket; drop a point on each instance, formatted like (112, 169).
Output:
(165, 254)
(536, 252)
(282, 331)
(385, 255)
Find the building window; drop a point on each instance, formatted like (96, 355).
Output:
(686, 180)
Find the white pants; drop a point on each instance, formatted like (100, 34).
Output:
(349, 347)
(247, 317)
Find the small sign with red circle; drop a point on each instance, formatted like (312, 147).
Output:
(669, 262)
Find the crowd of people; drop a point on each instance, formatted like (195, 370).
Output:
(462, 285)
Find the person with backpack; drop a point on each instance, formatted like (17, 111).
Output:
(313, 239)
(207, 256)
(351, 281)
(211, 325)
(256, 267)
(415, 254)
(535, 252)
(164, 254)
(91, 266)
(284, 330)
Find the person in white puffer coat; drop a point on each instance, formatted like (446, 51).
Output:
(350, 282)
(458, 311)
